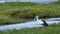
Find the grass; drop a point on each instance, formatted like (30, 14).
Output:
(27, 9)
(13, 12)
(52, 29)
(8, 20)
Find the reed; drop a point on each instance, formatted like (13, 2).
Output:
(12, 12)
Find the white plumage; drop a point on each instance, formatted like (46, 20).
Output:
(38, 20)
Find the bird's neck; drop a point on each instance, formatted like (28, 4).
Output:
(37, 18)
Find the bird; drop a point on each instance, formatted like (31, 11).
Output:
(42, 22)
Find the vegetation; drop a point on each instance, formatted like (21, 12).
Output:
(13, 12)
(52, 29)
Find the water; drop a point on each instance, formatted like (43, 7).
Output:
(2, 1)
(37, 1)
(29, 24)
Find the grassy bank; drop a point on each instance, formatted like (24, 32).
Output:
(27, 9)
(14, 11)
(52, 29)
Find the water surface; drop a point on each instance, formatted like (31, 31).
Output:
(37, 1)
(29, 24)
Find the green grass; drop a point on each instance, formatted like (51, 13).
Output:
(9, 20)
(27, 9)
(52, 29)
(13, 12)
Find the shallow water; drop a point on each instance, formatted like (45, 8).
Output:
(2, 1)
(37, 1)
(29, 24)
